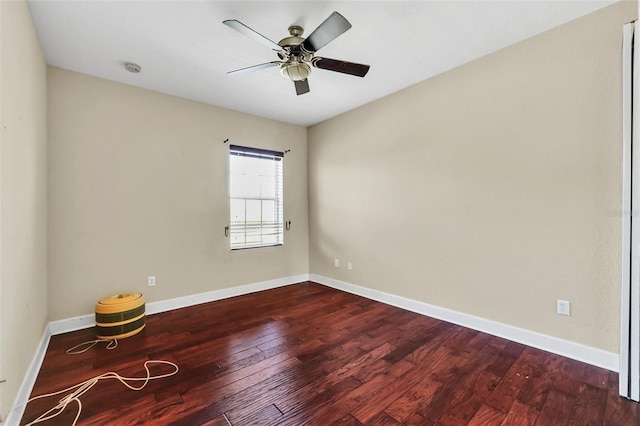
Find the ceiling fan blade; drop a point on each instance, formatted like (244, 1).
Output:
(302, 86)
(359, 70)
(254, 68)
(242, 28)
(326, 32)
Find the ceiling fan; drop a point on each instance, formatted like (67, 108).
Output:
(297, 54)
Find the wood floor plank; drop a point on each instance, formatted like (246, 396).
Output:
(597, 377)
(534, 392)
(324, 408)
(293, 399)
(379, 366)
(296, 399)
(217, 421)
(234, 382)
(456, 379)
(588, 410)
(470, 400)
(264, 415)
(417, 420)
(347, 420)
(418, 341)
(255, 396)
(383, 419)
(380, 399)
(568, 375)
(557, 409)
(618, 410)
(421, 395)
(501, 364)
(518, 378)
(521, 414)
(487, 416)
(408, 403)
(309, 354)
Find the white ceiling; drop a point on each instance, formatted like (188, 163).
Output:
(185, 50)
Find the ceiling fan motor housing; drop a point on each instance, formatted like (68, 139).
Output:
(294, 67)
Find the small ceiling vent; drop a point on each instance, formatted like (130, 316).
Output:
(131, 67)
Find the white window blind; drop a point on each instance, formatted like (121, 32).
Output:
(255, 197)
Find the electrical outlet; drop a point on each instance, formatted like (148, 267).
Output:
(564, 307)
(151, 281)
(336, 263)
(349, 266)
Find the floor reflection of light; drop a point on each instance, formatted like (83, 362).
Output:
(255, 342)
(250, 357)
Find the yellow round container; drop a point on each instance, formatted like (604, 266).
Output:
(120, 316)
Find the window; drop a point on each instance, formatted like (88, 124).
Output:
(255, 188)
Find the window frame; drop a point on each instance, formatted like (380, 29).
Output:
(264, 228)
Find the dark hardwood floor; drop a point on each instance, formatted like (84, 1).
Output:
(309, 354)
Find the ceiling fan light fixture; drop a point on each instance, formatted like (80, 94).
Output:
(295, 71)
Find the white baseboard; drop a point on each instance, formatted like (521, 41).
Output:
(86, 321)
(225, 293)
(20, 403)
(72, 324)
(577, 351)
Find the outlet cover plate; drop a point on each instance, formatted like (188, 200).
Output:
(564, 307)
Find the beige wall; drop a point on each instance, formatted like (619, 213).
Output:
(23, 199)
(138, 187)
(486, 189)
